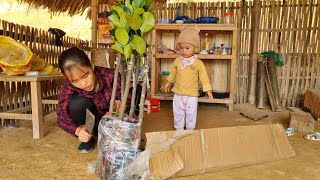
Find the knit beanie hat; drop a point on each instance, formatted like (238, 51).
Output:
(189, 35)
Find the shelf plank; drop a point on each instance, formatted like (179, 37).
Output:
(209, 27)
(200, 56)
(201, 99)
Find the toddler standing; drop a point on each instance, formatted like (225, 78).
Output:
(186, 72)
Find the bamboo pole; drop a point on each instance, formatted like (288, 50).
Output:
(306, 46)
(239, 27)
(246, 48)
(316, 50)
(253, 51)
(261, 85)
(94, 12)
(270, 89)
(289, 45)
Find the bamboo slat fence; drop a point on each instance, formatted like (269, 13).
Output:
(288, 27)
(15, 95)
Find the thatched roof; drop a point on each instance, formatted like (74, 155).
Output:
(71, 7)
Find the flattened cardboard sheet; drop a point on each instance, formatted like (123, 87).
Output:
(215, 149)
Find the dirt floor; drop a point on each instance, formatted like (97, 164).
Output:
(55, 155)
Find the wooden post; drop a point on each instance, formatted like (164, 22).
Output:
(253, 51)
(94, 12)
(37, 117)
(261, 86)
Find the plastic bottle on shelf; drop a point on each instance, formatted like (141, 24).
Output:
(228, 17)
(223, 49)
(206, 42)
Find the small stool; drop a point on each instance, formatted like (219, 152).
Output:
(152, 105)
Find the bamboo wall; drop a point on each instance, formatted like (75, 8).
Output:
(289, 27)
(14, 95)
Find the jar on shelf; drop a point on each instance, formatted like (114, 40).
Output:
(229, 50)
(228, 17)
(217, 50)
(164, 81)
(211, 51)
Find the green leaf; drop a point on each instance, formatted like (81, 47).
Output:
(129, 6)
(125, 8)
(147, 4)
(118, 9)
(133, 3)
(139, 3)
(122, 36)
(134, 21)
(148, 21)
(115, 20)
(144, 35)
(132, 45)
(123, 19)
(150, 9)
(139, 44)
(113, 26)
(117, 47)
(138, 11)
(127, 51)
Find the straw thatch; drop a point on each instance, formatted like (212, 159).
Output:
(71, 7)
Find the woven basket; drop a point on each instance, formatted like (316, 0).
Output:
(98, 57)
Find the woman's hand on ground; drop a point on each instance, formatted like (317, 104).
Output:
(83, 135)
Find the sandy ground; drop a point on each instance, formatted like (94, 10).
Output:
(55, 155)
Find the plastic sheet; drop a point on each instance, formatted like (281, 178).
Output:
(16, 59)
(118, 146)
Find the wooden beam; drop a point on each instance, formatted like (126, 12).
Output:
(7, 115)
(19, 110)
(49, 101)
(94, 26)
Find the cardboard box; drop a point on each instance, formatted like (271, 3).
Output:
(183, 153)
(311, 101)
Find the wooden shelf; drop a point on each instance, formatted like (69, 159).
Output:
(201, 99)
(203, 27)
(224, 70)
(200, 56)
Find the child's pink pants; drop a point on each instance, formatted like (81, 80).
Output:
(185, 111)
